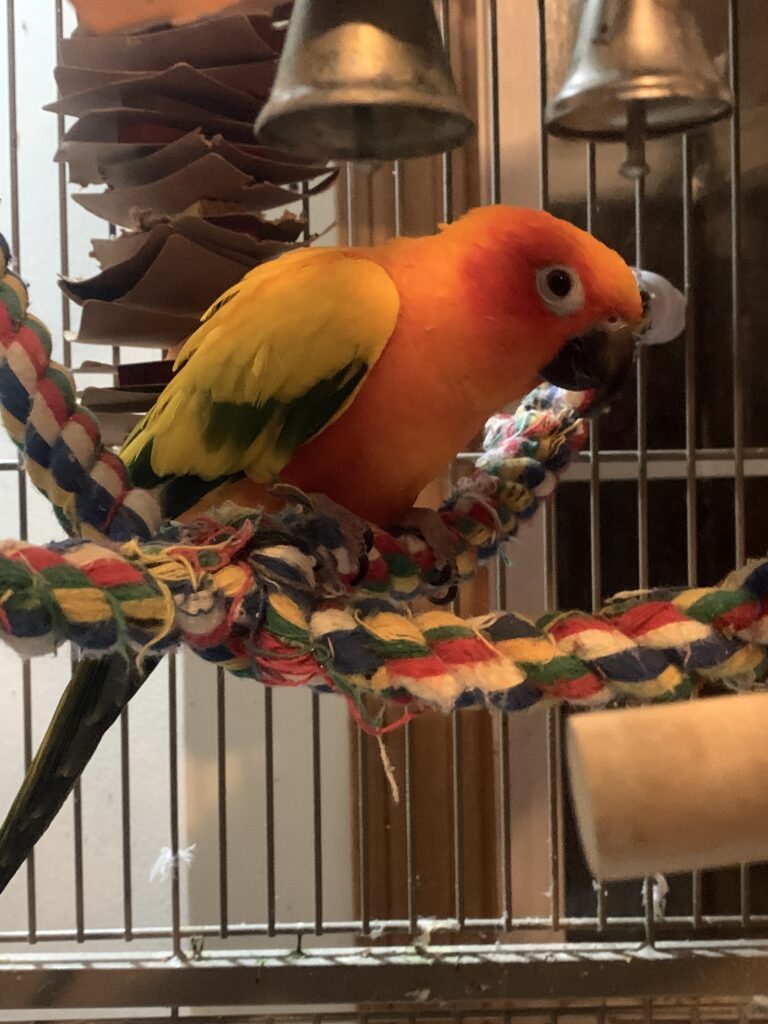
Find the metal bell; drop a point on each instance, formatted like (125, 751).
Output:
(362, 80)
(639, 70)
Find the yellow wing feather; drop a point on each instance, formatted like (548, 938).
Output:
(276, 359)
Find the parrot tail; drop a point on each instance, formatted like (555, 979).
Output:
(92, 701)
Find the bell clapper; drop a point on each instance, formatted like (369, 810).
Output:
(635, 166)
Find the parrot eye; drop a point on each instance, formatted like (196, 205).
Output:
(561, 289)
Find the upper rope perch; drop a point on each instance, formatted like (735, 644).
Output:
(61, 443)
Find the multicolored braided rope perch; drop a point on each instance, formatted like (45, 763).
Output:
(314, 596)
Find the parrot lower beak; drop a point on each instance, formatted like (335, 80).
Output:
(599, 360)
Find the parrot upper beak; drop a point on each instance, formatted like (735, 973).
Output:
(598, 360)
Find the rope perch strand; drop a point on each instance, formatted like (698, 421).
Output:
(240, 612)
(314, 596)
(60, 441)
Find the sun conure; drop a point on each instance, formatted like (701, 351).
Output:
(357, 372)
(361, 372)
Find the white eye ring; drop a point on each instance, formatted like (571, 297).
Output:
(560, 289)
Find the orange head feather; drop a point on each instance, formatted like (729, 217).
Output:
(507, 251)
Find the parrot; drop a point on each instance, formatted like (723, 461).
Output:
(358, 373)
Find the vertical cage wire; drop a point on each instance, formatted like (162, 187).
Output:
(554, 814)
(457, 802)
(737, 348)
(594, 429)
(173, 771)
(77, 839)
(505, 825)
(500, 596)
(361, 764)
(642, 409)
(398, 184)
(221, 799)
(361, 760)
(125, 825)
(643, 578)
(317, 777)
(16, 239)
(77, 792)
(596, 581)
(317, 812)
(691, 486)
(555, 778)
(550, 525)
(410, 825)
(689, 285)
(269, 783)
(737, 354)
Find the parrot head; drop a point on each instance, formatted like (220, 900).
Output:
(576, 299)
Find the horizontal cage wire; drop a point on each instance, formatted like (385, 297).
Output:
(236, 826)
(626, 1011)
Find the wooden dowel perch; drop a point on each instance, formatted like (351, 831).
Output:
(671, 788)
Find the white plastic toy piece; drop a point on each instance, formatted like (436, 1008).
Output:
(667, 308)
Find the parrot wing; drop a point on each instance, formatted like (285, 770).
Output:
(275, 360)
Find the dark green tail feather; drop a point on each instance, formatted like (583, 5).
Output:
(92, 701)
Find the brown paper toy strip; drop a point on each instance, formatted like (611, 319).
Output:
(92, 366)
(115, 426)
(124, 260)
(152, 375)
(119, 399)
(261, 163)
(163, 122)
(217, 237)
(119, 409)
(180, 81)
(113, 282)
(220, 212)
(126, 164)
(249, 253)
(183, 278)
(287, 228)
(253, 78)
(210, 176)
(116, 323)
(127, 247)
(268, 162)
(239, 40)
(95, 152)
(85, 160)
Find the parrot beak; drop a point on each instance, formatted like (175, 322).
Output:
(598, 360)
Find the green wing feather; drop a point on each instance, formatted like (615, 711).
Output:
(275, 360)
